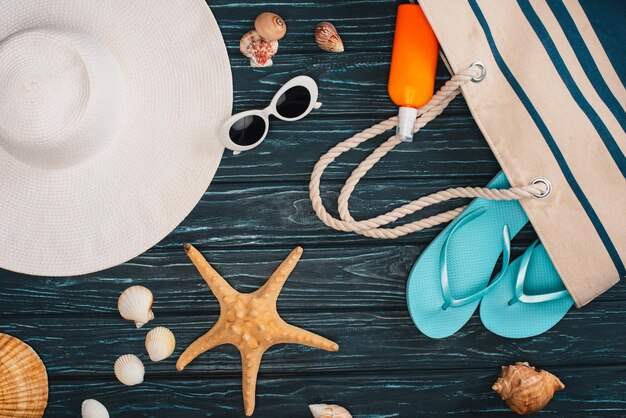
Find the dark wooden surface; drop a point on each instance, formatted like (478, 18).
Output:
(347, 288)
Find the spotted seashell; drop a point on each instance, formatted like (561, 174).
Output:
(327, 37)
(260, 51)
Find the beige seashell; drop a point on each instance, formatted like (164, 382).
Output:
(160, 343)
(327, 37)
(23, 380)
(129, 370)
(329, 411)
(135, 304)
(526, 390)
(259, 50)
(270, 26)
(93, 409)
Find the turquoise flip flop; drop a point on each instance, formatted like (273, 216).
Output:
(529, 299)
(453, 273)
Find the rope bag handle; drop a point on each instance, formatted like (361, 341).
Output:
(373, 227)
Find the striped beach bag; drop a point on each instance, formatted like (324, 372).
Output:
(544, 80)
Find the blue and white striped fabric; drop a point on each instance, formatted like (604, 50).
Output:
(553, 106)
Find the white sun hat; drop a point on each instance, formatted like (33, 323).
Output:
(109, 114)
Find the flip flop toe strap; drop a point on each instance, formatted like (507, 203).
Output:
(443, 263)
(520, 296)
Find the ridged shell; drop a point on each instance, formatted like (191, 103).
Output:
(129, 370)
(23, 380)
(259, 50)
(526, 390)
(270, 26)
(93, 409)
(327, 37)
(135, 304)
(329, 411)
(160, 343)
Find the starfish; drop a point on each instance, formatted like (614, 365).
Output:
(249, 321)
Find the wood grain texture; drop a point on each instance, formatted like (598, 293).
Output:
(364, 25)
(450, 148)
(369, 278)
(346, 288)
(88, 345)
(264, 214)
(437, 394)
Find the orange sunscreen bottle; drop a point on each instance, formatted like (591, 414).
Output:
(413, 66)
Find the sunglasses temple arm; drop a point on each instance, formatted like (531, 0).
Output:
(317, 105)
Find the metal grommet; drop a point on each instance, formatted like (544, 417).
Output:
(545, 182)
(483, 71)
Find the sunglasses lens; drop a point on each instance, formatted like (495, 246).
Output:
(294, 102)
(247, 131)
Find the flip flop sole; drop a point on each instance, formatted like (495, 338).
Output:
(473, 252)
(523, 320)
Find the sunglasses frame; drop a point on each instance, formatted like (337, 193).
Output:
(301, 80)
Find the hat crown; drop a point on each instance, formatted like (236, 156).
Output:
(63, 97)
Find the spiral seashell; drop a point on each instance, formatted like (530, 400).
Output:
(329, 411)
(135, 304)
(327, 37)
(160, 343)
(526, 390)
(129, 370)
(91, 408)
(23, 380)
(259, 50)
(270, 26)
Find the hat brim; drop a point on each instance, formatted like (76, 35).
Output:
(112, 207)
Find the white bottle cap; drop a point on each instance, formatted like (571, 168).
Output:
(406, 123)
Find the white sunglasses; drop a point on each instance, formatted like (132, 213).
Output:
(246, 130)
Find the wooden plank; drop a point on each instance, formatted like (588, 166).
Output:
(364, 25)
(351, 83)
(281, 214)
(87, 345)
(361, 92)
(589, 392)
(245, 216)
(449, 148)
(365, 278)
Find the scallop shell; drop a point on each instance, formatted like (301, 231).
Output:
(327, 37)
(160, 343)
(23, 380)
(135, 304)
(329, 411)
(526, 390)
(259, 50)
(270, 26)
(93, 409)
(129, 370)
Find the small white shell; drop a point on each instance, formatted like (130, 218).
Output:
(160, 343)
(129, 370)
(135, 304)
(93, 409)
(329, 411)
